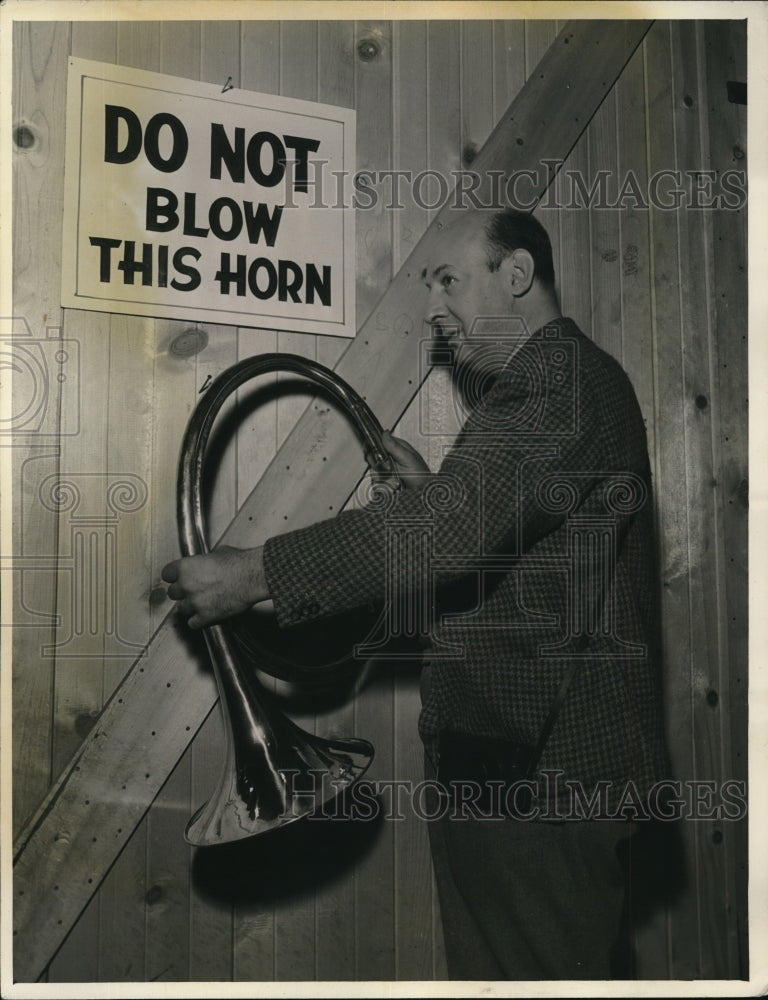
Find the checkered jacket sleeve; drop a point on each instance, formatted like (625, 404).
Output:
(534, 450)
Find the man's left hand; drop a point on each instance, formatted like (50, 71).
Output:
(411, 468)
(218, 585)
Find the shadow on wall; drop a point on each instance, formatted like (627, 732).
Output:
(286, 864)
(653, 860)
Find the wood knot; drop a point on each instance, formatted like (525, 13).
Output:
(25, 136)
(154, 895)
(367, 50)
(189, 343)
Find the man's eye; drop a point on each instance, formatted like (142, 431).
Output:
(447, 280)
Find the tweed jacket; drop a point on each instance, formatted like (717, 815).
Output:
(540, 551)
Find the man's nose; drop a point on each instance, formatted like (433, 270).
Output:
(436, 311)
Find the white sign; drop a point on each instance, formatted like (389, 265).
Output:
(191, 202)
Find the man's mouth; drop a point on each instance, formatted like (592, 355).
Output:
(446, 331)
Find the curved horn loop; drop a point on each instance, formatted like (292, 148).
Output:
(274, 772)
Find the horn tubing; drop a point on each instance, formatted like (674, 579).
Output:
(263, 746)
(190, 508)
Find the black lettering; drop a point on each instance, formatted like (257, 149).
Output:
(255, 146)
(113, 115)
(162, 266)
(129, 265)
(301, 147)
(106, 246)
(261, 221)
(179, 146)
(161, 215)
(222, 152)
(261, 263)
(188, 270)
(235, 222)
(290, 280)
(190, 229)
(226, 276)
(317, 285)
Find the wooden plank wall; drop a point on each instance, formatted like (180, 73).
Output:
(640, 281)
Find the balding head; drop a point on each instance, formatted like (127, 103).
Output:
(485, 265)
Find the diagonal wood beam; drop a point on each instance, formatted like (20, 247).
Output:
(90, 813)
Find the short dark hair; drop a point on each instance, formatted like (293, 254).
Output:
(514, 230)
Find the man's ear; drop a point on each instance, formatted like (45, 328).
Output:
(519, 271)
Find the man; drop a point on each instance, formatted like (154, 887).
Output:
(543, 678)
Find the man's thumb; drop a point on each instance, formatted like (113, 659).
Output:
(395, 447)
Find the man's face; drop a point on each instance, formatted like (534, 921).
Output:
(464, 291)
(462, 288)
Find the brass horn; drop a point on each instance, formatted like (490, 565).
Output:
(274, 771)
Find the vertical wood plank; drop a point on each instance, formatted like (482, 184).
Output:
(477, 87)
(707, 676)
(131, 343)
(257, 439)
(172, 48)
(253, 955)
(538, 37)
(604, 229)
(80, 958)
(295, 954)
(723, 57)
(373, 103)
(210, 917)
(168, 875)
(671, 481)
(575, 271)
(634, 274)
(335, 900)
(648, 943)
(41, 52)
(122, 898)
(374, 705)
(80, 644)
(509, 71)
(128, 465)
(414, 956)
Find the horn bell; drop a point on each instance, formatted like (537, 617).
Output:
(274, 772)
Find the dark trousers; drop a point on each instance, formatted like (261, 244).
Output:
(528, 900)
